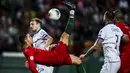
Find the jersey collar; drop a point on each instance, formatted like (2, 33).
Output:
(110, 22)
(38, 30)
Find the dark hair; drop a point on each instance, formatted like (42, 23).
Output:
(118, 15)
(37, 20)
(109, 15)
(22, 38)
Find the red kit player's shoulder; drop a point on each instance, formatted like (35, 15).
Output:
(120, 24)
(124, 27)
(28, 50)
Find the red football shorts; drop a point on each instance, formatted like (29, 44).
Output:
(60, 55)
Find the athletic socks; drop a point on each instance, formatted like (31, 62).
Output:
(70, 23)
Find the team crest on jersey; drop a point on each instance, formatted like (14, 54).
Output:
(31, 58)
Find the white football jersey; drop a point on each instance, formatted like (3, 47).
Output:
(111, 36)
(39, 41)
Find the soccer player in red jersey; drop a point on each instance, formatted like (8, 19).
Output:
(57, 57)
(124, 48)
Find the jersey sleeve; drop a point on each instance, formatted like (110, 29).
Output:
(101, 35)
(30, 58)
(44, 35)
(121, 32)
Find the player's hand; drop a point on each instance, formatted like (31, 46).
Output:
(26, 64)
(82, 56)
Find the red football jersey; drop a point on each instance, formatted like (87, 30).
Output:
(34, 55)
(56, 57)
(124, 48)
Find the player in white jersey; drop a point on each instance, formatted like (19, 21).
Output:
(41, 40)
(109, 39)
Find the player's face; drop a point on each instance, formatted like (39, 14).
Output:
(34, 26)
(29, 39)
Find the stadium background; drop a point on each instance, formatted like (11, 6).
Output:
(15, 16)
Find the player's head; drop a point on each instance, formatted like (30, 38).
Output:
(35, 24)
(108, 16)
(26, 39)
(118, 15)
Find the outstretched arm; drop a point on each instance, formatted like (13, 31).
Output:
(30, 58)
(97, 45)
(32, 65)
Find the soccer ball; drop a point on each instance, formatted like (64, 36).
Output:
(54, 14)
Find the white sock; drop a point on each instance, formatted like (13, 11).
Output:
(72, 12)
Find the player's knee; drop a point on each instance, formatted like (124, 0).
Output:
(75, 60)
(65, 35)
(78, 61)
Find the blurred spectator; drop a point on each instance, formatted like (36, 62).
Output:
(123, 4)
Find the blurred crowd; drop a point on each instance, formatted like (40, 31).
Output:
(16, 14)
